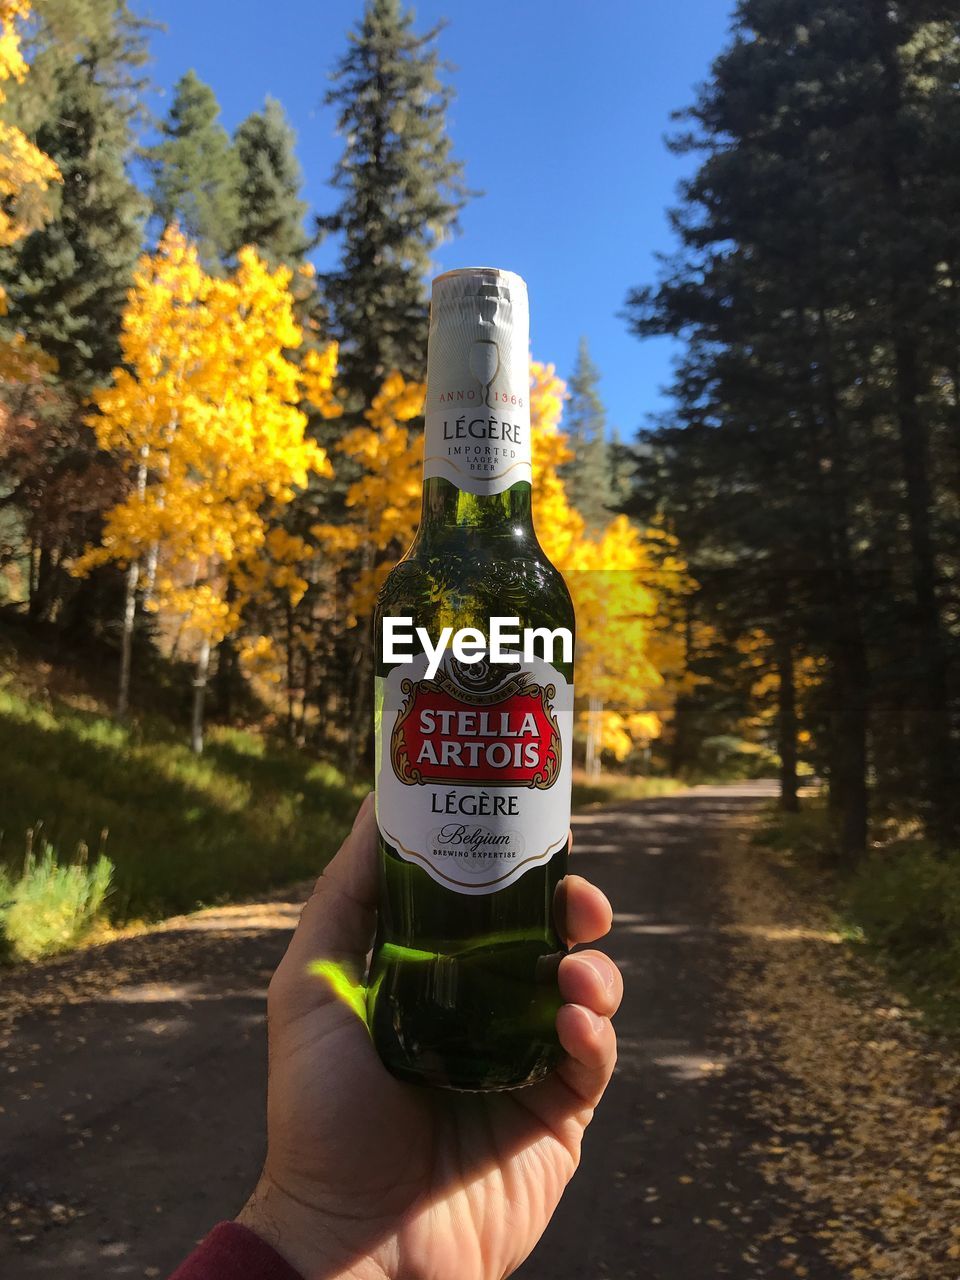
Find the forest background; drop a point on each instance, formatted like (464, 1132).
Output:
(210, 452)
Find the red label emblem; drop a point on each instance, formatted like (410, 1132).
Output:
(506, 737)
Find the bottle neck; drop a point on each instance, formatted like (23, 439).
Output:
(477, 465)
(448, 510)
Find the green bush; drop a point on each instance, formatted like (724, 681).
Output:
(907, 902)
(51, 905)
(805, 836)
(727, 758)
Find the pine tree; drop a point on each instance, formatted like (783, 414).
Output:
(587, 475)
(270, 211)
(621, 469)
(270, 217)
(402, 191)
(196, 172)
(101, 32)
(812, 456)
(68, 280)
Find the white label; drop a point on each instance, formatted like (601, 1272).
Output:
(477, 410)
(473, 769)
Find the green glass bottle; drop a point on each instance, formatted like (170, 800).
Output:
(473, 759)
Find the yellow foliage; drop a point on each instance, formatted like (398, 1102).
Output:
(560, 527)
(618, 578)
(630, 651)
(318, 370)
(609, 579)
(618, 734)
(385, 500)
(206, 410)
(259, 657)
(757, 650)
(644, 726)
(12, 64)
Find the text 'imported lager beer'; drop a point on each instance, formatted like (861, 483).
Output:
(474, 720)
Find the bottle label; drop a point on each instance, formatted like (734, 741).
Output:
(477, 411)
(473, 768)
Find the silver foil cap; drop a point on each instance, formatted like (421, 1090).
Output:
(478, 380)
(479, 282)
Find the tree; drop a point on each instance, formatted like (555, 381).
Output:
(384, 501)
(269, 208)
(617, 577)
(402, 191)
(615, 607)
(805, 462)
(67, 280)
(621, 580)
(621, 470)
(205, 413)
(588, 473)
(196, 172)
(26, 176)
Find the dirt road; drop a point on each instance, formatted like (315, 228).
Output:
(131, 1093)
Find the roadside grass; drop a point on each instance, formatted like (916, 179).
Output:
(901, 904)
(178, 831)
(181, 831)
(51, 905)
(611, 787)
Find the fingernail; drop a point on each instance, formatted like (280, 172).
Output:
(596, 1022)
(363, 805)
(604, 972)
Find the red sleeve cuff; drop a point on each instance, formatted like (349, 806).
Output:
(232, 1252)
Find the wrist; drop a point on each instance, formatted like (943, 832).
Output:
(304, 1237)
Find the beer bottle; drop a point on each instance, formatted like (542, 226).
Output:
(473, 760)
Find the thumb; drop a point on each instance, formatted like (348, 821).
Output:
(336, 926)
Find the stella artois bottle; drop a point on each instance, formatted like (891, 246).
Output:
(473, 745)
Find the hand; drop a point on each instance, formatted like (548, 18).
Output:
(368, 1178)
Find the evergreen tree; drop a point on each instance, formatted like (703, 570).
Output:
(196, 172)
(270, 211)
(67, 281)
(104, 33)
(811, 458)
(270, 217)
(402, 192)
(587, 475)
(621, 470)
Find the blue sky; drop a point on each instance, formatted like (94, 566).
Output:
(560, 115)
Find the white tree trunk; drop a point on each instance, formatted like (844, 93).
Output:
(594, 738)
(126, 641)
(199, 694)
(130, 607)
(150, 576)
